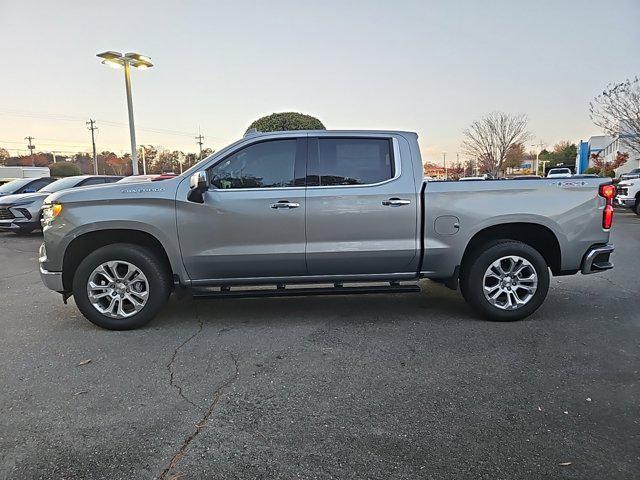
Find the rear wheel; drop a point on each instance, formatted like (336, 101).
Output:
(505, 281)
(121, 286)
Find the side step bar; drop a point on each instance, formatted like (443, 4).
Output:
(282, 291)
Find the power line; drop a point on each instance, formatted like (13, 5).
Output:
(71, 118)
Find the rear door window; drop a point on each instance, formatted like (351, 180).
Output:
(353, 161)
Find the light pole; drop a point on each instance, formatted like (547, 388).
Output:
(541, 146)
(135, 60)
(144, 160)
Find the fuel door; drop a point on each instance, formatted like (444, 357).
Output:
(447, 225)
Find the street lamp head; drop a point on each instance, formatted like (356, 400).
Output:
(118, 60)
(137, 56)
(110, 55)
(113, 63)
(141, 62)
(141, 65)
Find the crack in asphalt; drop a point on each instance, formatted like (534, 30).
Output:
(7, 277)
(619, 287)
(171, 364)
(202, 423)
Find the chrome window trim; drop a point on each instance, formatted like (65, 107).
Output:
(396, 163)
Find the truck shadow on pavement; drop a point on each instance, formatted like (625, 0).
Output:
(435, 303)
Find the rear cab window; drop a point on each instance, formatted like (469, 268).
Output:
(335, 161)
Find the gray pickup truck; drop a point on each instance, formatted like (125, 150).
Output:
(320, 212)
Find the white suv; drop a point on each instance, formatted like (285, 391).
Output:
(629, 194)
(559, 173)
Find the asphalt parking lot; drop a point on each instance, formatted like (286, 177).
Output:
(403, 386)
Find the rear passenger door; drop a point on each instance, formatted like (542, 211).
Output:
(361, 207)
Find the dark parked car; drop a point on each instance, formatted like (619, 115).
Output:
(24, 185)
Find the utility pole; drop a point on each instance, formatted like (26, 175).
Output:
(31, 147)
(541, 146)
(444, 159)
(92, 128)
(199, 140)
(54, 156)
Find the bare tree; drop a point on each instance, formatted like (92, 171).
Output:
(617, 112)
(490, 138)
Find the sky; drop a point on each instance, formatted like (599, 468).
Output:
(431, 67)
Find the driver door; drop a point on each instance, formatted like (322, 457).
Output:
(252, 221)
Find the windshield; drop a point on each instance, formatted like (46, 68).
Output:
(14, 185)
(61, 184)
(559, 170)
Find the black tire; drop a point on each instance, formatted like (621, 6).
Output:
(636, 207)
(472, 279)
(154, 269)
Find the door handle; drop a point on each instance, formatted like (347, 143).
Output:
(395, 202)
(285, 204)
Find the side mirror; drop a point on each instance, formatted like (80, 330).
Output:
(198, 184)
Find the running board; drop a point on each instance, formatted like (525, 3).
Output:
(282, 291)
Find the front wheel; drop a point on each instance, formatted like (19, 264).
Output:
(506, 281)
(121, 286)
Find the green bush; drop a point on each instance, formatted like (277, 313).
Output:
(592, 170)
(277, 122)
(64, 169)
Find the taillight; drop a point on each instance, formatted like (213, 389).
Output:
(607, 217)
(608, 192)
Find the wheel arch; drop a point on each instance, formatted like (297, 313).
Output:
(84, 244)
(537, 236)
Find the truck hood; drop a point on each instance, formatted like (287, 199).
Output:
(624, 183)
(117, 192)
(22, 198)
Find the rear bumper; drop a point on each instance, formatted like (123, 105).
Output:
(597, 259)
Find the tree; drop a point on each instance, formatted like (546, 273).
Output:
(608, 169)
(84, 162)
(4, 155)
(286, 121)
(455, 171)
(515, 156)
(490, 138)
(564, 153)
(64, 169)
(118, 165)
(617, 111)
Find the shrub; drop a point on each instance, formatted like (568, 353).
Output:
(277, 122)
(64, 169)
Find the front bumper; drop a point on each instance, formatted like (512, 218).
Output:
(597, 259)
(628, 202)
(51, 280)
(18, 224)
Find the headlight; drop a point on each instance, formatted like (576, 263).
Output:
(50, 211)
